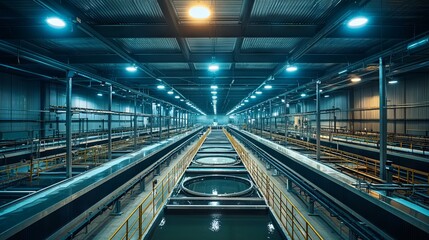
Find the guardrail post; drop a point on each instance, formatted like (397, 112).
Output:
(140, 221)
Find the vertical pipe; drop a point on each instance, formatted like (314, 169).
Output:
(383, 120)
(271, 116)
(261, 110)
(151, 122)
(160, 121)
(69, 156)
(109, 126)
(318, 121)
(286, 121)
(135, 122)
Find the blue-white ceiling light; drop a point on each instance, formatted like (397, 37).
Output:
(213, 87)
(99, 94)
(56, 22)
(213, 67)
(291, 68)
(393, 81)
(268, 87)
(177, 97)
(170, 92)
(253, 96)
(246, 100)
(258, 92)
(213, 92)
(303, 94)
(131, 68)
(357, 22)
(160, 87)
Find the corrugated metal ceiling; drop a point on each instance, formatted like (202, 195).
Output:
(24, 8)
(255, 65)
(137, 45)
(72, 45)
(344, 45)
(211, 45)
(290, 11)
(120, 11)
(170, 66)
(266, 44)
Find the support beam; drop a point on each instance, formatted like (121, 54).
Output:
(286, 120)
(69, 156)
(109, 125)
(318, 121)
(383, 119)
(135, 123)
(269, 121)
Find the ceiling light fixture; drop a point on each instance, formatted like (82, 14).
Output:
(258, 92)
(303, 94)
(246, 100)
(213, 92)
(213, 87)
(393, 81)
(160, 87)
(177, 97)
(357, 22)
(170, 92)
(56, 22)
(291, 68)
(213, 67)
(199, 12)
(253, 96)
(326, 96)
(355, 79)
(99, 94)
(268, 87)
(131, 68)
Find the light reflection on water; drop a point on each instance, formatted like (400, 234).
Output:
(215, 223)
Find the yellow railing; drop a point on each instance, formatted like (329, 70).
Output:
(142, 217)
(292, 220)
(362, 163)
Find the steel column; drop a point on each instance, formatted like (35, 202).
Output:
(109, 125)
(286, 121)
(135, 122)
(383, 119)
(318, 120)
(271, 115)
(69, 156)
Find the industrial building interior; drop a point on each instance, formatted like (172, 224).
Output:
(214, 119)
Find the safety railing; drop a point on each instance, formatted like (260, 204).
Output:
(291, 219)
(139, 221)
(364, 164)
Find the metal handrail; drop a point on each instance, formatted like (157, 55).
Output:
(290, 217)
(155, 199)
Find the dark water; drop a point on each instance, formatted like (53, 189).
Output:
(216, 226)
(218, 186)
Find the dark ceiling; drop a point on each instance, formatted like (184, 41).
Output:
(251, 40)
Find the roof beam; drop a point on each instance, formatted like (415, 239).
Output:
(169, 15)
(189, 31)
(203, 58)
